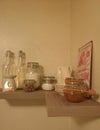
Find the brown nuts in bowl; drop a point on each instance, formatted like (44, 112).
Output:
(74, 95)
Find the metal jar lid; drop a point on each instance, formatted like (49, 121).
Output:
(49, 79)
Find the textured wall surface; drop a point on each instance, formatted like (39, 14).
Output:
(50, 32)
(41, 28)
(85, 26)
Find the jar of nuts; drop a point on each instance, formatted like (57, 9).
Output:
(29, 85)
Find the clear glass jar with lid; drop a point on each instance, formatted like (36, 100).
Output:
(48, 83)
(33, 73)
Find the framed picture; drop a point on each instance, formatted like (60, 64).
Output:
(85, 63)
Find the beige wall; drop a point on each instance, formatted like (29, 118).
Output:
(85, 26)
(41, 28)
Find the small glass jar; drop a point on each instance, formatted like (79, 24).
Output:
(32, 73)
(48, 83)
(28, 85)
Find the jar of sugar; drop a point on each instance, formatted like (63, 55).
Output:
(48, 83)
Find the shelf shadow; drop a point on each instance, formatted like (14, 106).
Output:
(85, 120)
(21, 102)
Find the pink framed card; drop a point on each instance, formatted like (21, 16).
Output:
(85, 63)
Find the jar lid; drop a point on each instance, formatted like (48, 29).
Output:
(29, 81)
(49, 78)
(32, 64)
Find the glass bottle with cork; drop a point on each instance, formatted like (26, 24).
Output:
(9, 72)
(21, 66)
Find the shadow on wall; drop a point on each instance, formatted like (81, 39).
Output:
(26, 102)
(84, 120)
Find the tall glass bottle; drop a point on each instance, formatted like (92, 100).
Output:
(8, 72)
(21, 69)
(13, 65)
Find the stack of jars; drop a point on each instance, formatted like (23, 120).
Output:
(24, 76)
(75, 89)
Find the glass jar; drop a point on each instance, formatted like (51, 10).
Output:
(75, 89)
(29, 85)
(48, 83)
(32, 73)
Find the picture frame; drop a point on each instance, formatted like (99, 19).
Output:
(85, 63)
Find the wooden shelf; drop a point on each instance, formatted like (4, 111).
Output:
(21, 94)
(58, 106)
